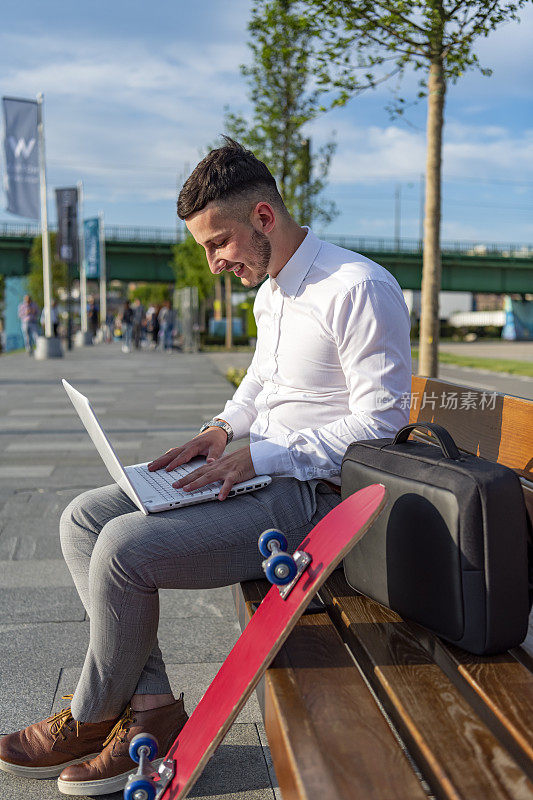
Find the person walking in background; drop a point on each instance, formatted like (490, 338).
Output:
(28, 313)
(108, 328)
(54, 317)
(138, 318)
(127, 325)
(92, 316)
(166, 326)
(152, 325)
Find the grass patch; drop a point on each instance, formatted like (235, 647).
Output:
(235, 376)
(221, 348)
(513, 367)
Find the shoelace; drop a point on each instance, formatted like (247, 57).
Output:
(60, 720)
(121, 726)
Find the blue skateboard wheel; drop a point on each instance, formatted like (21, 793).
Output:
(141, 788)
(146, 740)
(280, 569)
(271, 535)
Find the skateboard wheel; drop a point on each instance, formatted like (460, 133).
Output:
(271, 537)
(280, 569)
(141, 788)
(143, 740)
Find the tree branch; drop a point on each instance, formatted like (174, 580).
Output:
(396, 13)
(449, 14)
(385, 45)
(380, 24)
(484, 16)
(455, 39)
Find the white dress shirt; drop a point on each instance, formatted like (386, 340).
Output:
(332, 361)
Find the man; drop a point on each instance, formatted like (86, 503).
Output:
(331, 364)
(165, 321)
(126, 321)
(93, 316)
(28, 313)
(137, 321)
(54, 318)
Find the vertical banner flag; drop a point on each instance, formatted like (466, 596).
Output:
(91, 233)
(67, 225)
(21, 149)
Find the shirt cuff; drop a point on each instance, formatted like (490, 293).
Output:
(271, 456)
(237, 420)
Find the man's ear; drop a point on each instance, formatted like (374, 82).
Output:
(264, 218)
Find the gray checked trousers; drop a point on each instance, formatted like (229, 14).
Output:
(119, 558)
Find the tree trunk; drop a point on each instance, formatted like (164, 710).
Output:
(431, 271)
(229, 323)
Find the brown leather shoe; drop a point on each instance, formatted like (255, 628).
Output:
(109, 771)
(44, 749)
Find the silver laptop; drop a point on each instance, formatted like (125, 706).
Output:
(151, 491)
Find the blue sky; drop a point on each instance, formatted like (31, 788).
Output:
(133, 92)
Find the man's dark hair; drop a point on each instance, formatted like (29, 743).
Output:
(229, 174)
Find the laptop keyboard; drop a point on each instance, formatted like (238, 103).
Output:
(162, 481)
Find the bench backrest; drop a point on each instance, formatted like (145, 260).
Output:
(495, 426)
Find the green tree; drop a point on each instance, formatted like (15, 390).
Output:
(285, 97)
(151, 294)
(191, 269)
(59, 271)
(434, 37)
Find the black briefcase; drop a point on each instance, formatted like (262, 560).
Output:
(449, 550)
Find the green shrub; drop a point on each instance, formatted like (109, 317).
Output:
(235, 376)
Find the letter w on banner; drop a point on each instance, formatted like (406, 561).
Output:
(21, 149)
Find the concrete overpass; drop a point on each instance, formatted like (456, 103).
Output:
(144, 254)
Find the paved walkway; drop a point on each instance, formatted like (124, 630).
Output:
(519, 351)
(147, 402)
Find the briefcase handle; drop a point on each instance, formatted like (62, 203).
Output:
(447, 444)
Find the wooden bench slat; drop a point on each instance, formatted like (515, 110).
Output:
(458, 754)
(499, 687)
(316, 705)
(503, 433)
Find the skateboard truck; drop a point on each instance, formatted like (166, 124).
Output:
(281, 568)
(141, 784)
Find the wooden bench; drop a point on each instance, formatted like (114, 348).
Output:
(360, 703)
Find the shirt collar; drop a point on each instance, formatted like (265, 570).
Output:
(291, 276)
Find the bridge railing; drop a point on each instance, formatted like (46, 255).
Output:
(133, 233)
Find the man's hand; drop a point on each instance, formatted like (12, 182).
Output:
(231, 468)
(211, 444)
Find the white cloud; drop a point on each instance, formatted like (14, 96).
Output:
(126, 73)
(372, 153)
(120, 115)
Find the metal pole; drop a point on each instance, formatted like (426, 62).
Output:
(69, 305)
(47, 289)
(103, 276)
(81, 258)
(397, 215)
(178, 220)
(306, 216)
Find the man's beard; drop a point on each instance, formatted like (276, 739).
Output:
(262, 250)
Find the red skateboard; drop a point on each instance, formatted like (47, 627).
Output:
(296, 580)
